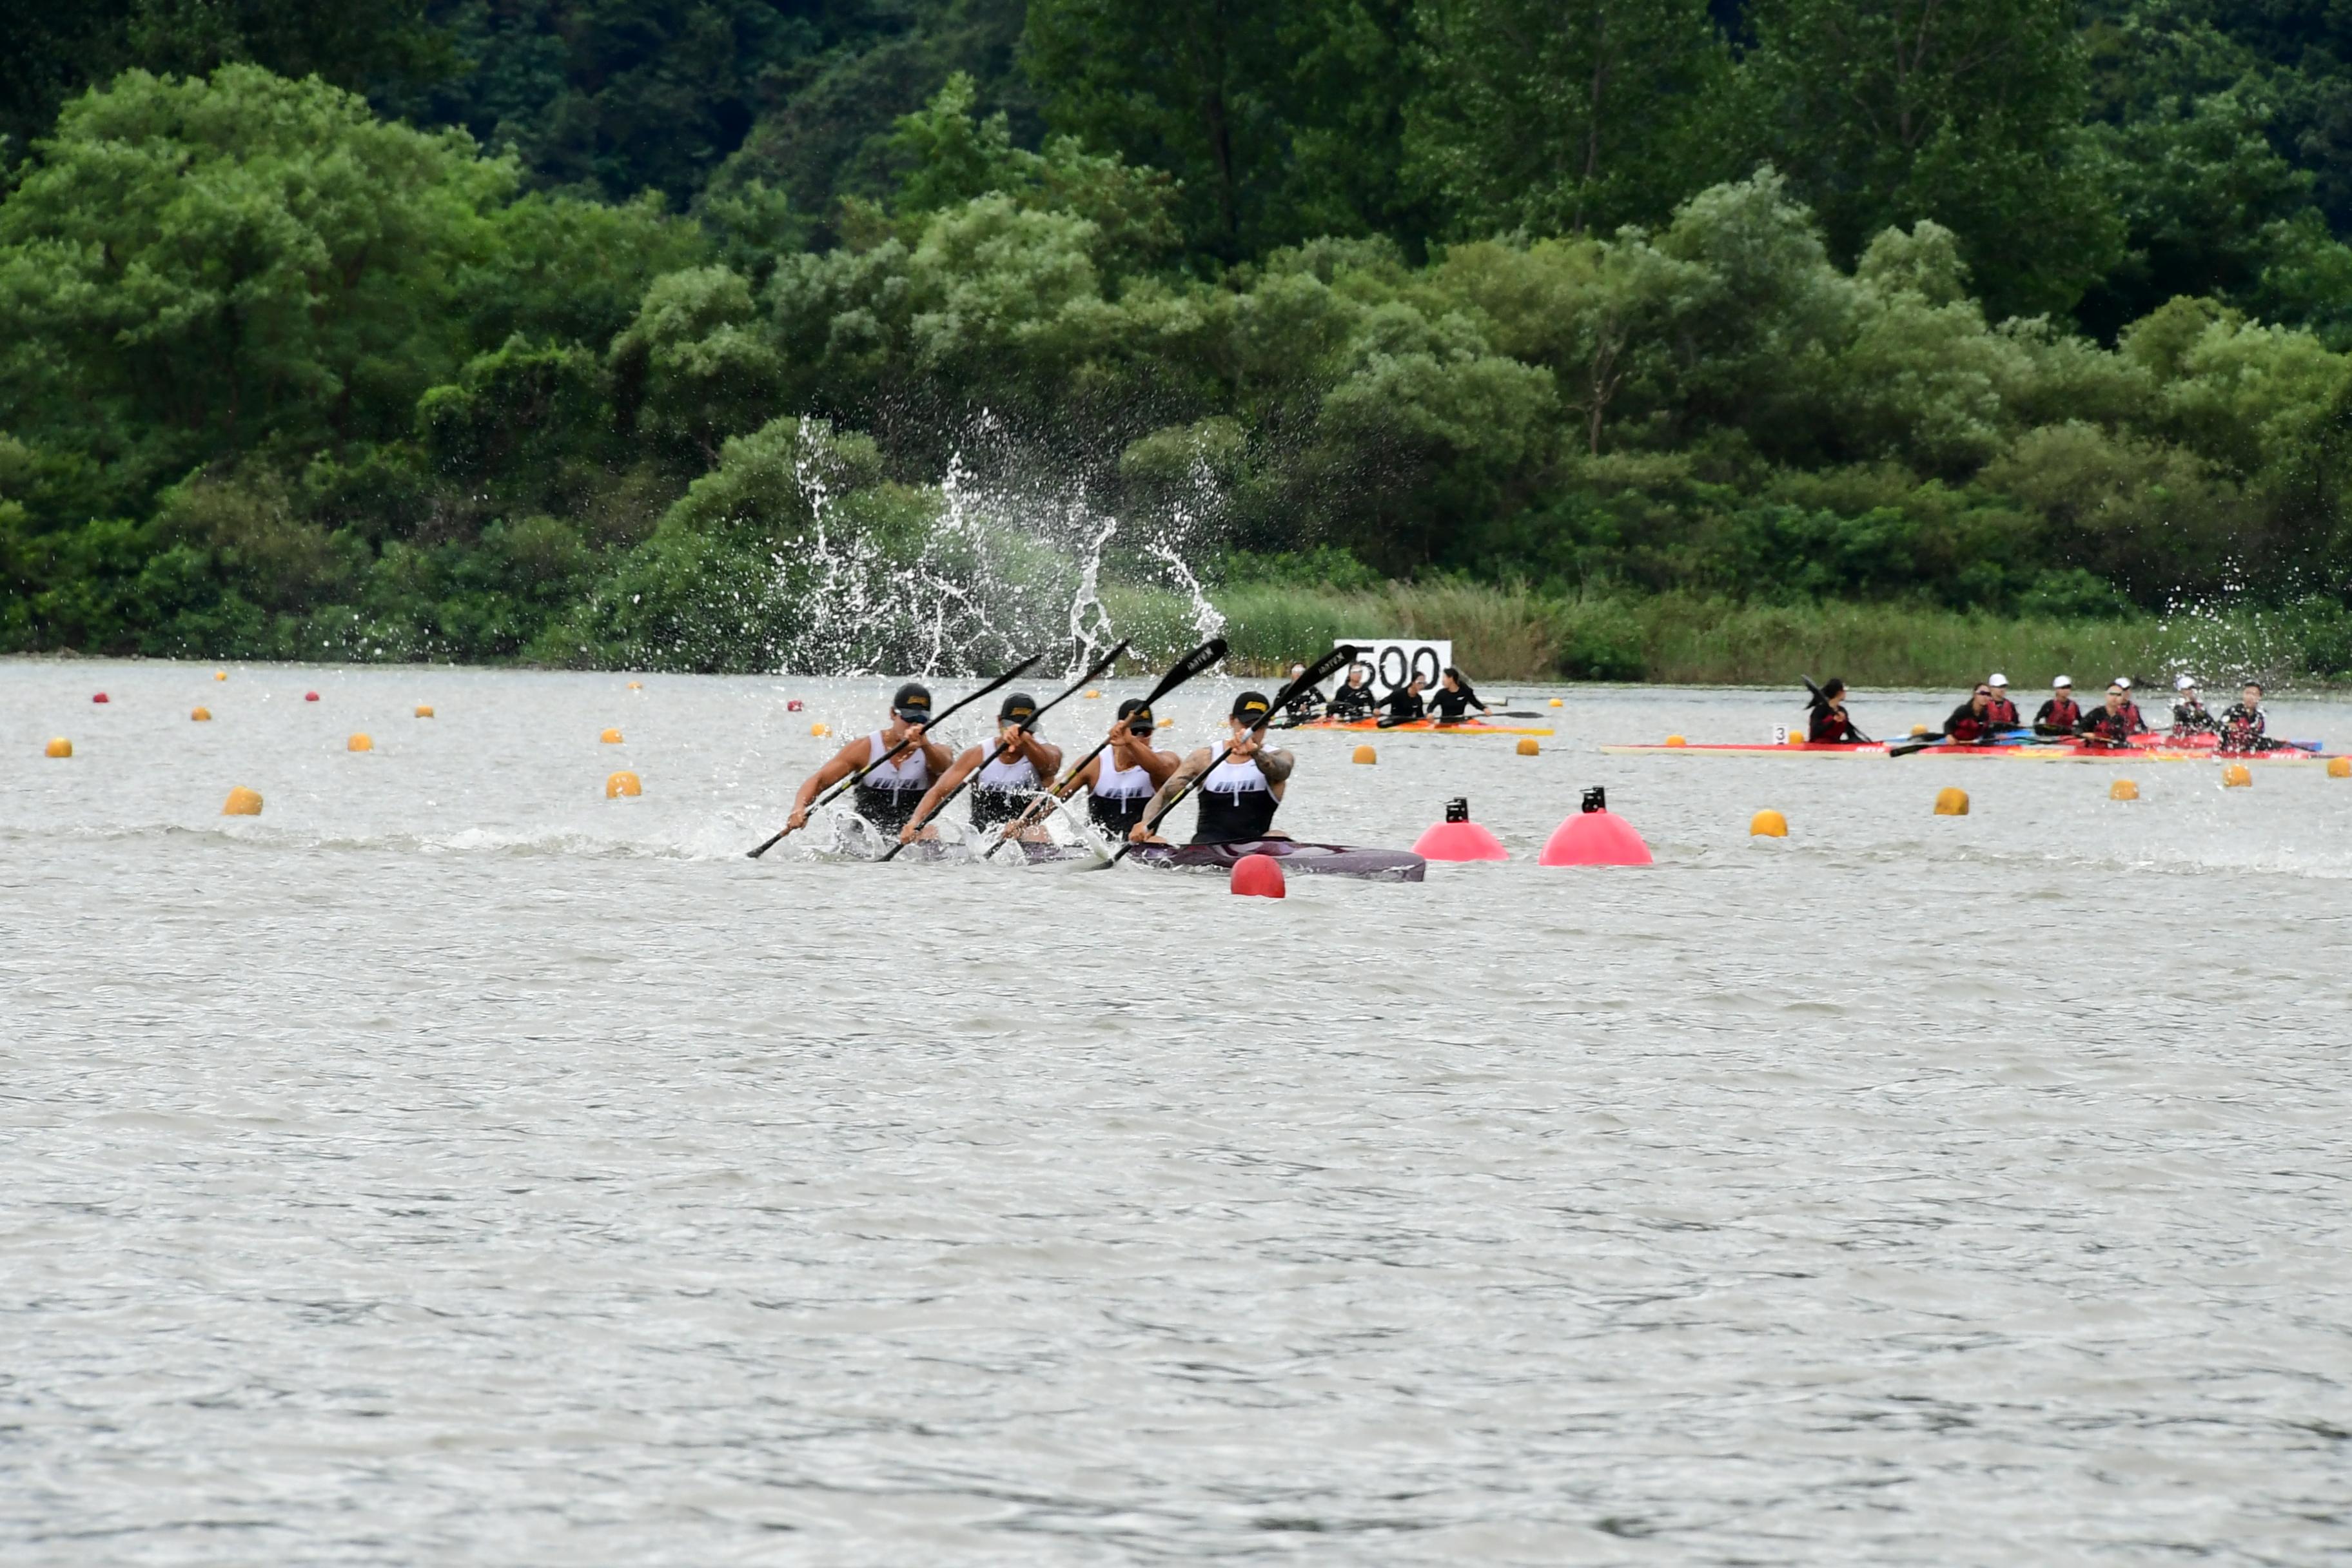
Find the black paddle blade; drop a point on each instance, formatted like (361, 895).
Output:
(1185, 669)
(1321, 670)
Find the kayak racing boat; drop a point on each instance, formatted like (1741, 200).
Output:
(1423, 727)
(2156, 747)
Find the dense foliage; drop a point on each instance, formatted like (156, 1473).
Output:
(566, 329)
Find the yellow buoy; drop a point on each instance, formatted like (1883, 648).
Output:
(1555, 703)
(60, 747)
(1528, 747)
(242, 802)
(2237, 775)
(610, 737)
(819, 729)
(202, 715)
(1366, 754)
(425, 710)
(1767, 823)
(623, 783)
(220, 675)
(637, 686)
(1918, 730)
(1090, 691)
(359, 743)
(2339, 767)
(1951, 801)
(1676, 740)
(2123, 789)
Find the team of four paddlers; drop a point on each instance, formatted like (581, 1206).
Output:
(1989, 717)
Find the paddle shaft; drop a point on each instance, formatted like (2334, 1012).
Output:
(829, 796)
(1027, 725)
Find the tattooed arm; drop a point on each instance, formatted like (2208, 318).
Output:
(1191, 768)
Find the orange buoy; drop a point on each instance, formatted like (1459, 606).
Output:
(60, 747)
(1528, 747)
(2339, 767)
(1594, 837)
(220, 675)
(1366, 754)
(359, 743)
(1555, 702)
(203, 715)
(425, 710)
(1676, 740)
(2237, 775)
(819, 729)
(610, 737)
(2123, 789)
(1459, 838)
(242, 802)
(1951, 801)
(1258, 877)
(623, 783)
(1767, 823)
(637, 686)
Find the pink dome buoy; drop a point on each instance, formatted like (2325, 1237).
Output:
(1594, 837)
(100, 696)
(1459, 838)
(309, 696)
(1258, 877)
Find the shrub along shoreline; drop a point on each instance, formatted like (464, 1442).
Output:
(1516, 634)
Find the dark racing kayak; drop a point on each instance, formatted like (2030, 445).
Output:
(1298, 859)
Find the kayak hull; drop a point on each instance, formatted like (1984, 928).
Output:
(1423, 727)
(1298, 859)
(2145, 749)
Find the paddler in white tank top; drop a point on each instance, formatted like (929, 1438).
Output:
(1238, 797)
(1011, 767)
(886, 796)
(1120, 782)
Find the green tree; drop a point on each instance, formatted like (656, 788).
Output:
(192, 266)
(1883, 112)
(1279, 119)
(1558, 118)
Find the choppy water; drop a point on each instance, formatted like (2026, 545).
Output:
(453, 1166)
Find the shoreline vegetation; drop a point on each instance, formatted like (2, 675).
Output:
(323, 342)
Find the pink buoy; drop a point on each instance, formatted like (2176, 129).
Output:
(1258, 877)
(101, 697)
(1594, 837)
(1459, 838)
(794, 706)
(309, 696)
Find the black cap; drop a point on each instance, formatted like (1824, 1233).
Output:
(1017, 708)
(1252, 707)
(1596, 799)
(913, 702)
(1138, 717)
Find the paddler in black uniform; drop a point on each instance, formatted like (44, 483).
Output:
(1307, 705)
(1007, 783)
(2189, 712)
(1971, 723)
(1454, 698)
(2243, 726)
(1119, 784)
(886, 796)
(1827, 724)
(1353, 701)
(1239, 796)
(2060, 715)
(1404, 704)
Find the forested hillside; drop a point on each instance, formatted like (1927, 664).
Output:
(554, 329)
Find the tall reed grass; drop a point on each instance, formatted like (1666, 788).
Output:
(1511, 633)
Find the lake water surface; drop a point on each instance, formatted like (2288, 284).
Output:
(451, 1165)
